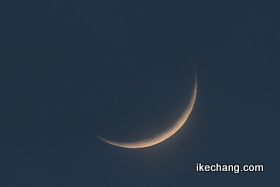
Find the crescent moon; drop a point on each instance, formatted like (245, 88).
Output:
(160, 137)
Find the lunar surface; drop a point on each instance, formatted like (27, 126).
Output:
(160, 137)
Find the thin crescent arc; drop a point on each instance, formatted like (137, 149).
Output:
(162, 136)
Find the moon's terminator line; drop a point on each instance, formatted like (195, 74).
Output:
(160, 137)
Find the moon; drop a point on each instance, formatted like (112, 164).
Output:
(162, 136)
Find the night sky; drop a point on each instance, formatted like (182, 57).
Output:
(125, 70)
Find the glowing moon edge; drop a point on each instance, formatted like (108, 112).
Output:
(162, 136)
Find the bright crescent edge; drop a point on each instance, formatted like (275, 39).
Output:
(160, 137)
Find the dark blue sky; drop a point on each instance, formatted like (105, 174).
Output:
(124, 70)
